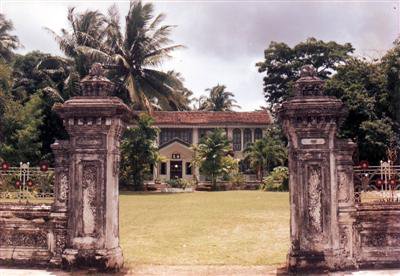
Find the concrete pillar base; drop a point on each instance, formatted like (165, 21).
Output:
(302, 262)
(102, 260)
(306, 261)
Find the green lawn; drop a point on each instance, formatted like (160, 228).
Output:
(236, 227)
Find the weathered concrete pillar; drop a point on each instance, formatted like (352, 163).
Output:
(320, 177)
(62, 161)
(58, 215)
(95, 122)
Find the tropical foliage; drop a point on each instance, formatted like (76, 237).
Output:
(369, 88)
(34, 82)
(362, 86)
(281, 65)
(266, 153)
(277, 180)
(218, 100)
(8, 42)
(138, 152)
(85, 29)
(212, 156)
(131, 55)
(21, 138)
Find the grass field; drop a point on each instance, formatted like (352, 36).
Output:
(232, 228)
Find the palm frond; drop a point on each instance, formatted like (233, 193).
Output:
(156, 57)
(94, 55)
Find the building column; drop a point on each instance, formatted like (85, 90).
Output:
(155, 171)
(241, 136)
(195, 136)
(168, 175)
(230, 133)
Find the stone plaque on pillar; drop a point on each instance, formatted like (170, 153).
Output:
(310, 120)
(95, 122)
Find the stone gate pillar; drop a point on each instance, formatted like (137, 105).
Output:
(320, 177)
(59, 210)
(95, 122)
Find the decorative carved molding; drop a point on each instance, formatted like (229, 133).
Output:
(314, 207)
(344, 180)
(89, 180)
(23, 238)
(380, 239)
(64, 187)
(345, 234)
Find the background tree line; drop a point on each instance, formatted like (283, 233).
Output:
(369, 88)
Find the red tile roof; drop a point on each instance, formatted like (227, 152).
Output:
(211, 118)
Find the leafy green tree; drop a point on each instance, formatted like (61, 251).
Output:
(282, 64)
(21, 141)
(218, 100)
(5, 83)
(362, 86)
(210, 155)
(391, 68)
(138, 152)
(375, 137)
(266, 153)
(8, 42)
(36, 70)
(51, 76)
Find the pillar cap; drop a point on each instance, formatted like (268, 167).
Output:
(310, 107)
(309, 84)
(96, 84)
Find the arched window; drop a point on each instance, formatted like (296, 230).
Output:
(257, 134)
(247, 137)
(237, 139)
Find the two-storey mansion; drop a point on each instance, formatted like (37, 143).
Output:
(181, 129)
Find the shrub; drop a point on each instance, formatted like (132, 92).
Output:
(237, 180)
(277, 180)
(180, 183)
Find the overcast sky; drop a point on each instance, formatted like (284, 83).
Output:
(225, 39)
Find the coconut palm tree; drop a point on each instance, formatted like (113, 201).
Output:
(8, 42)
(86, 29)
(219, 100)
(132, 56)
(265, 153)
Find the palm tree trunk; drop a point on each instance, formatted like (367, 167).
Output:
(213, 182)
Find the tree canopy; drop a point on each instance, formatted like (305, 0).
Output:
(369, 88)
(8, 42)
(282, 63)
(218, 100)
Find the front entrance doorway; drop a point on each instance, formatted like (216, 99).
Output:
(176, 169)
